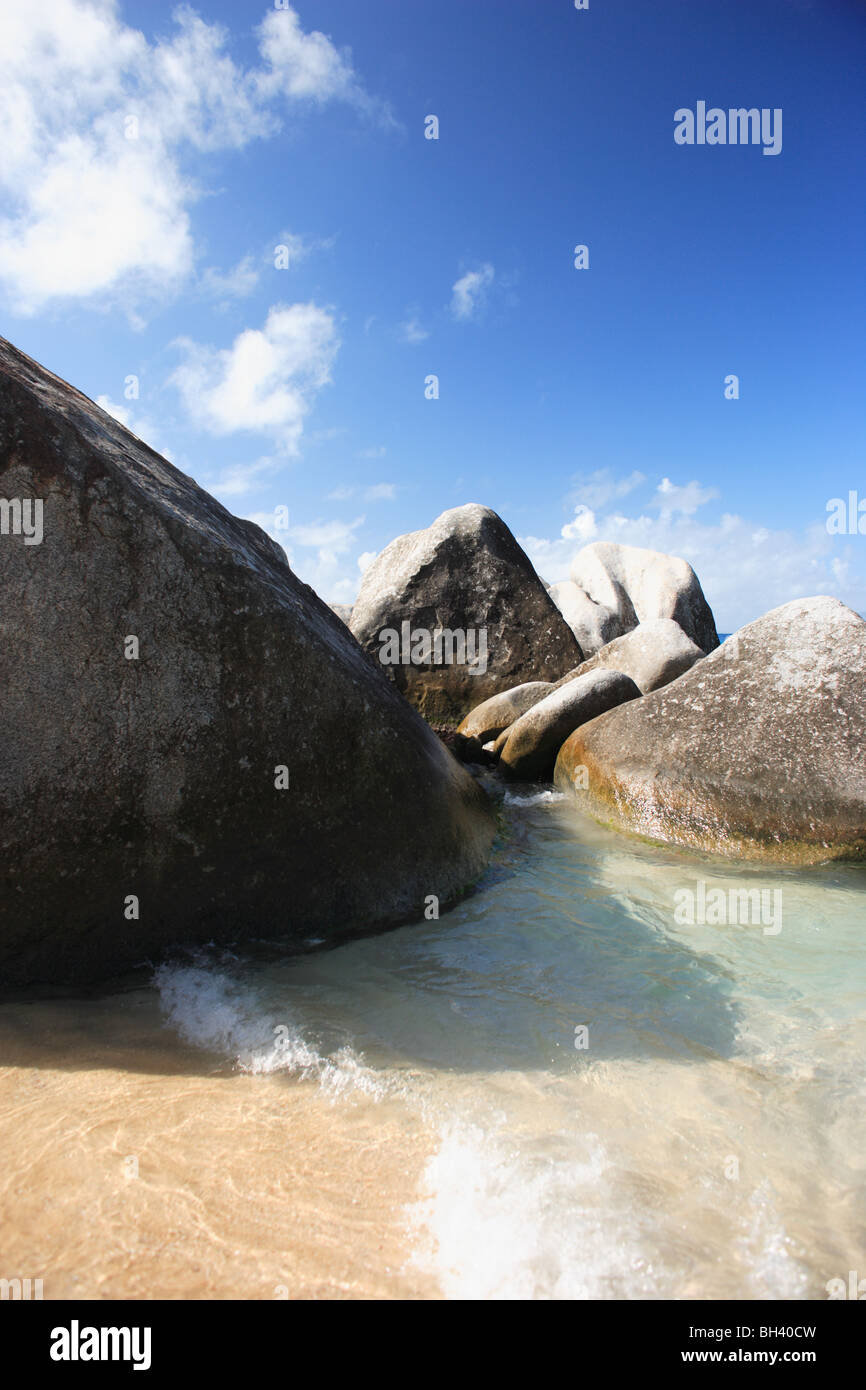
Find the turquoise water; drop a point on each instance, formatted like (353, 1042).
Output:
(703, 1138)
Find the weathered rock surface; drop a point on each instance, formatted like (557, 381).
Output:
(157, 778)
(757, 751)
(634, 585)
(593, 624)
(488, 719)
(535, 738)
(466, 573)
(343, 611)
(499, 744)
(654, 653)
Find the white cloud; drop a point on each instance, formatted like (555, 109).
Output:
(304, 66)
(583, 528)
(672, 500)
(236, 283)
(412, 331)
(266, 381)
(365, 559)
(297, 248)
(326, 433)
(238, 479)
(745, 568)
(92, 213)
(597, 489)
(328, 537)
(469, 291)
(96, 217)
(378, 492)
(376, 453)
(324, 568)
(201, 95)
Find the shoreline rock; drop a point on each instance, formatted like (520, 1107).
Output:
(756, 751)
(533, 741)
(240, 770)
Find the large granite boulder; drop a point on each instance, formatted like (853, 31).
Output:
(614, 587)
(533, 741)
(465, 584)
(757, 751)
(193, 745)
(634, 585)
(654, 653)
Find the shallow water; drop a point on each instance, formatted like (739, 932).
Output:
(413, 1115)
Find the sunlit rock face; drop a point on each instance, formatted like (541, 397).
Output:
(654, 653)
(758, 750)
(614, 587)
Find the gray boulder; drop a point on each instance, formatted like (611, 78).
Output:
(634, 585)
(654, 653)
(757, 751)
(194, 747)
(488, 719)
(534, 740)
(465, 584)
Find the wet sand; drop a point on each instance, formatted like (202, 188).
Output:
(251, 1187)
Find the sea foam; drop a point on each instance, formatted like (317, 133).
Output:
(213, 1011)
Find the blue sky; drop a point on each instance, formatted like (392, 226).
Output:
(580, 404)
